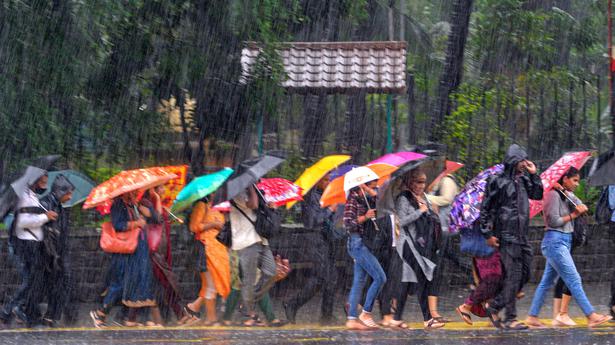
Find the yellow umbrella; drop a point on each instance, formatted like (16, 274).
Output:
(313, 174)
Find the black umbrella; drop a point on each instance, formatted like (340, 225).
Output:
(246, 174)
(602, 172)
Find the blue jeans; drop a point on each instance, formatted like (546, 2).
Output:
(364, 263)
(556, 249)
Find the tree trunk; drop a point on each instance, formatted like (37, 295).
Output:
(451, 76)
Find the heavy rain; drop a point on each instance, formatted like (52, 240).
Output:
(307, 171)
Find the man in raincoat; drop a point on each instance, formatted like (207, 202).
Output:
(504, 220)
(58, 276)
(320, 252)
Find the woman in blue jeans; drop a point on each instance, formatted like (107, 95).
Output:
(556, 244)
(356, 213)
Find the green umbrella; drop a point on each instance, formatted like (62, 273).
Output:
(83, 185)
(199, 188)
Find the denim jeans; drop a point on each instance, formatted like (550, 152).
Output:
(556, 249)
(365, 263)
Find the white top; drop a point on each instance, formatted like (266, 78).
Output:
(32, 222)
(244, 233)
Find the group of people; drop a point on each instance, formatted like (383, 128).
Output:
(398, 243)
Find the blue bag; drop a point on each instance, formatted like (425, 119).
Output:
(473, 243)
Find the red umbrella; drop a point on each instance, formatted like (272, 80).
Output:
(449, 168)
(279, 191)
(550, 176)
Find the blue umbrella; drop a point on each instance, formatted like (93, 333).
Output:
(83, 185)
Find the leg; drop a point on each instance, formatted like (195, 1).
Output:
(266, 307)
(231, 303)
(402, 297)
(329, 286)
(310, 285)
(513, 275)
(267, 266)
(248, 263)
(359, 278)
(547, 282)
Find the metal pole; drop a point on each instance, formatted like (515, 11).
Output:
(389, 148)
(259, 129)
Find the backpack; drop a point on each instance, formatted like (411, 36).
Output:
(333, 226)
(603, 211)
(473, 243)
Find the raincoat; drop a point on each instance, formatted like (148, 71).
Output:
(60, 285)
(505, 209)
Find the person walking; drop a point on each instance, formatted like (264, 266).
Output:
(556, 245)
(504, 221)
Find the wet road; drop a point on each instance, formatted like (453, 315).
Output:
(455, 333)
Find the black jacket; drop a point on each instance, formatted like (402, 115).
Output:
(505, 210)
(56, 232)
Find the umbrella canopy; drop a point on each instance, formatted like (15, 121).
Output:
(336, 191)
(247, 174)
(45, 162)
(83, 185)
(199, 188)
(223, 207)
(550, 176)
(127, 181)
(449, 168)
(398, 158)
(341, 170)
(602, 172)
(172, 188)
(465, 209)
(279, 191)
(316, 172)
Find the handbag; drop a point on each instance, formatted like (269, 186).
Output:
(473, 243)
(225, 236)
(114, 242)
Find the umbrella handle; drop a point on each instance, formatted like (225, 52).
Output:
(368, 208)
(179, 220)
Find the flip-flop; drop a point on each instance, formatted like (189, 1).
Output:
(518, 325)
(467, 318)
(491, 314)
(603, 319)
(433, 324)
(398, 324)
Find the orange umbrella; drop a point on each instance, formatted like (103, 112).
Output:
(450, 168)
(127, 181)
(334, 193)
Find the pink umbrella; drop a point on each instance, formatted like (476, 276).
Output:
(223, 207)
(398, 158)
(550, 176)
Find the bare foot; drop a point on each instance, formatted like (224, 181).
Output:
(357, 325)
(534, 322)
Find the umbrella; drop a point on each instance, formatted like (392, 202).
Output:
(127, 181)
(450, 167)
(172, 188)
(247, 174)
(279, 191)
(398, 158)
(465, 209)
(45, 162)
(335, 193)
(83, 185)
(223, 207)
(602, 172)
(199, 188)
(316, 172)
(555, 172)
(341, 170)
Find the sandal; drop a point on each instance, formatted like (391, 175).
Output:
(467, 318)
(600, 321)
(190, 317)
(433, 324)
(492, 314)
(131, 324)
(152, 324)
(515, 325)
(252, 322)
(442, 319)
(277, 323)
(398, 324)
(99, 320)
(535, 324)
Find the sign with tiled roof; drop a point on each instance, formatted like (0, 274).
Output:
(337, 67)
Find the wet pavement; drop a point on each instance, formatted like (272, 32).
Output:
(308, 332)
(307, 335)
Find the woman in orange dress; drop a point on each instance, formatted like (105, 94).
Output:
(213, 261)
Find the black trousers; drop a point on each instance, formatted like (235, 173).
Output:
(323, 275)
(61, 295)
(516, 263)
(30, 263)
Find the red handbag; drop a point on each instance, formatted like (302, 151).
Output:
(114, 242)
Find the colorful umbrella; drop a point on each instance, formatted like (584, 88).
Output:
(466, 206)
(335, 191)
(279, 191)
(127, 181)
(341, 170)
(550, 176)
(83, 185)
(398, 158)
(316, 172)
(199, 188)
(172, 188)
(602, 172)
